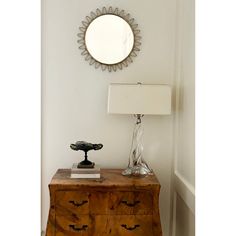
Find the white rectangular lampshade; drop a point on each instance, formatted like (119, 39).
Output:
(139, 99)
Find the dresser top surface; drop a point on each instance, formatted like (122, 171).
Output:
(109, 177)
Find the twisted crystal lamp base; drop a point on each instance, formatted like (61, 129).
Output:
(137, 166)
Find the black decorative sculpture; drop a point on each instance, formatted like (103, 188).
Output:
(84, 146)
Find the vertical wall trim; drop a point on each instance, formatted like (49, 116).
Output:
(175, 100)
(173, 230)
(179, 185)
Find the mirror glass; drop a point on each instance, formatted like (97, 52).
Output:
(109, 39)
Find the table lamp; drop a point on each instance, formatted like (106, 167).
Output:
(138, 100)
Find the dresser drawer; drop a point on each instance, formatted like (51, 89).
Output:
(130, 225)
(79, 202)
(81, 225)
(130, 203)
(72, 202)
(72, 225)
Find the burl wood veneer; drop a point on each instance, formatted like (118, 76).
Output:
(114, 205)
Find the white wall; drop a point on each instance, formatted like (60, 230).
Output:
(74, 94)
(183, 172)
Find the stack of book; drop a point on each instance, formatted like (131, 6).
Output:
(85, 173)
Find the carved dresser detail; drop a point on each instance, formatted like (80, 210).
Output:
(114, 205)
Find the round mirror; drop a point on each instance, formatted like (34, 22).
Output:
(109, 39)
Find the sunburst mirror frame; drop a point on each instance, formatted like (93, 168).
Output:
(109, 11)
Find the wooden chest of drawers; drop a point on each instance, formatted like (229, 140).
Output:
(114, 205)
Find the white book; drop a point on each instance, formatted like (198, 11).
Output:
(85, 176)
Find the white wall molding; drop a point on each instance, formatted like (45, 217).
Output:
(183, 153)
(185, 190)
(175, 102)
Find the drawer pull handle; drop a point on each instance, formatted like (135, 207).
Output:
(130, 228)
(130, 204)
(78, 204)
(77, 228)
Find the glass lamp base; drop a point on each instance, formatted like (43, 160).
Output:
(137, 166)
(139, 171)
